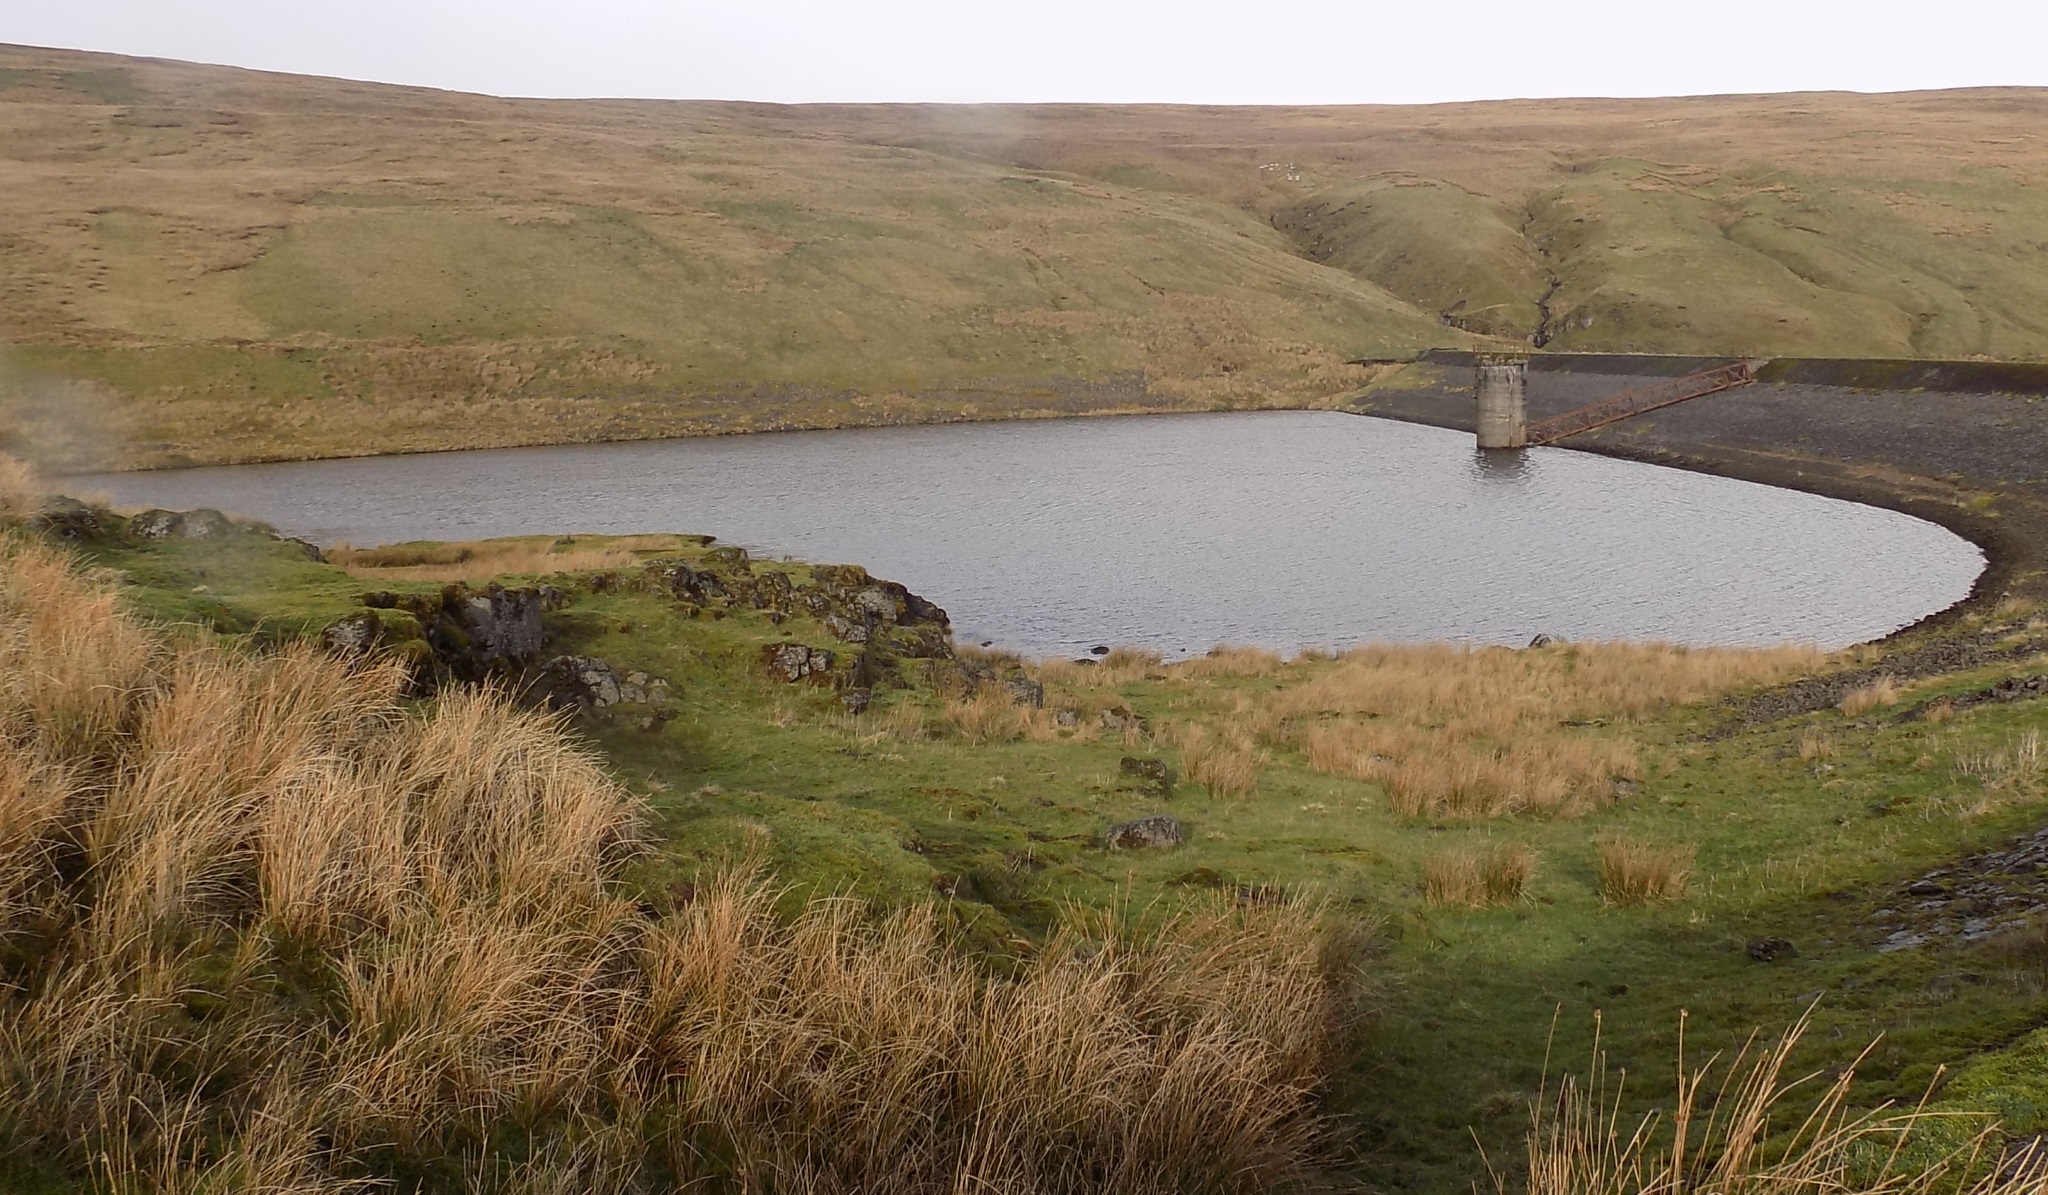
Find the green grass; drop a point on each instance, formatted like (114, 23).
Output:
(1006, 835)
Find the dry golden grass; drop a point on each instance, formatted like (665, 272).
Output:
(1225, 761)
(1635, 873)
(1458, 733)
(2003, 777)
(1815, 746)
(21, 491)
(1121, 666)
(1882, 693)
(489, 559)
(1752, 1128)
(264, 926)
(1468, 878)
(1229, 661)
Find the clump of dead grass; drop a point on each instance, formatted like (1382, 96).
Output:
(1227, 661)
(487, 559)
(1467, 877)
(2003, 776)
(1754, 1128)
(1224, 761)
(1461, 733)
(1882, 693)
(1121, 666)
(265, 926)
(21, 490)
(1634, 873)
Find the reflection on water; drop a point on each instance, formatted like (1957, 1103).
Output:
(1283, 529)
(1500, 466)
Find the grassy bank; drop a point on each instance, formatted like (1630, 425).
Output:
(1540, 837)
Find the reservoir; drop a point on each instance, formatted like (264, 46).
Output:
(1282, 529)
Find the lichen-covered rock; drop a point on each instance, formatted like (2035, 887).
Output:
(792, 662)
(1151, 775)
(575, 683)
(1157, 831)
(70, 519)
(352, 634)
(155, 524)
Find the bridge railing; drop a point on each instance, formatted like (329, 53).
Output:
(1621, 406)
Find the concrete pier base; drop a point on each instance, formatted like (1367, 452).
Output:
(1503, 422)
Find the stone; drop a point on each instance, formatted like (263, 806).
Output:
(1546, 639)
(1926, 888)
(155, 524)
(1156, 831)
(68, 518)
(502, 624)
(855, 701)
(1152, 775)
(1117, 719)
(1025, 691)
(731, 557)
(1770, 950)
(846, 630)
(792, 662)
(580, 683)
(1066, 719)
(203, 524)
(1098, 650)
(352, 635)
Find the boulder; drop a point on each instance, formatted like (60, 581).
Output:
(502, 624)
(1157, 830)
(856, 701)
(1545, 639)
(155, 524)
(1025, 691)
(68, 518)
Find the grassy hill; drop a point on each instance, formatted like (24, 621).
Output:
(204, 264)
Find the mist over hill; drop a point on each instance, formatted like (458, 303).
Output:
(209, 264)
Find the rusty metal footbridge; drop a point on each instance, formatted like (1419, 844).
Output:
(1634, 402)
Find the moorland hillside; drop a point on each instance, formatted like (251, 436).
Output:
(207, 264)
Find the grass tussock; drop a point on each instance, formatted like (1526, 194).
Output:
(489, 559)
(1225, 761)
(2004, 776)
(1229, 661)
(1470, 878)
(1460, 733)
(1882, 693)
(1121, 666)
(1634, 873)
(21, 491)
(263, 926)
(1753, 1128)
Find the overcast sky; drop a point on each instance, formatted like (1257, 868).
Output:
(1189, 51)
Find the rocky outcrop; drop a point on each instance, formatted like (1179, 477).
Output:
(793, 662)
(1971, 899)
(180, 524)
(593, 688)
(464, 634)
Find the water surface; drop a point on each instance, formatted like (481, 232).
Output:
(1282, 529)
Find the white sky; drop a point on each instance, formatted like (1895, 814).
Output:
(1190, 51)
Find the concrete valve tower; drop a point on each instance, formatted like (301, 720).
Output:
(1503, 422)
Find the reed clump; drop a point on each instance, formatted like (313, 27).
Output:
(264, 926)
(1753, 1127)
(1471, 878)
(1453, 732)
(1634, 873)
(1225, 761)
(489, 559)
(1121, 666)
(1882, 693)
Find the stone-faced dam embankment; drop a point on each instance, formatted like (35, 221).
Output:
(1961, 443)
